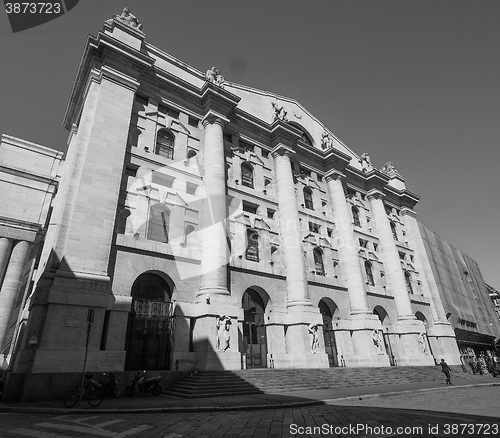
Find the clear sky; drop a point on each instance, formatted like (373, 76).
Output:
(416, 82)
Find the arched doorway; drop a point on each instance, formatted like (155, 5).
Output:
(328, 310)
(254, 329)
(384, 320)
(149, 330)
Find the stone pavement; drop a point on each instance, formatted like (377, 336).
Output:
(347, 412)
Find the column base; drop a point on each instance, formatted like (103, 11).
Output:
(407, 348)
(218, 360)
(298, 360)
(355, 343)
(443, 343)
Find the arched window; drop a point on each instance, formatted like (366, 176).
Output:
(336, 269)
(409, 287)
(319, 267)
(252, 251)
(393, 229)
(247, 175)
(355, 217)
(369, 274)
(165, 144)
(159, 218)
(308, 199)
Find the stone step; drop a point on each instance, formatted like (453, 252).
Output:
(255, 381)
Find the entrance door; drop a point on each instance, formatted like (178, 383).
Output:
(329, 334)
(254, 330)
(150, 324)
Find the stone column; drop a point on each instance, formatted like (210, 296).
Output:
(10, 287)
(405, 333)
(439, 331)
(347, 245)
(392, 264)
(354, 336)
(5, 249)
(296, 277)
(213, 234)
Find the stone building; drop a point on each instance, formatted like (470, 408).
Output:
(465, 296)
(203, 224)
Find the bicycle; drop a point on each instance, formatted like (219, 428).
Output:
(92, 392)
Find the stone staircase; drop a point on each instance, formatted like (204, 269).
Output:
(256, 381)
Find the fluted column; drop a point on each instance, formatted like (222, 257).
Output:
(391, 259)
(296, 278)
(213, 234)
(347, 248)
(11, 284)
(5, 249)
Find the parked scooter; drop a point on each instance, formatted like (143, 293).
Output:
(141, 384)
(110, 385)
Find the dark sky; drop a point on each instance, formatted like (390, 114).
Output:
(415, 82)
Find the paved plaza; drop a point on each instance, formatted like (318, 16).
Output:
(441, 412)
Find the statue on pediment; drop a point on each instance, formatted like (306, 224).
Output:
(128, 18)
(213, 76)
(326, 140)
(279, 112)
(389, 169)
(366, 162)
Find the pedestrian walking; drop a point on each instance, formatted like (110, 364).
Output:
(446, 370)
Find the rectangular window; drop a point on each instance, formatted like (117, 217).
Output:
(402, 255)
(265, 154)
(249, 208)
(168, 111)
(329, 231)
(375, 247)
(191, 188)
(193, 122)
(162, 179)
(363, 243)
(247, 146)
(313, 227)
(143, 100)
(270, 213)
(320, 178)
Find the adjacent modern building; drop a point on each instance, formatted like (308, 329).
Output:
(203, 224)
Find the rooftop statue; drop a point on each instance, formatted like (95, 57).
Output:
(279, 112)
(326, 140)
(366, 162)
(127, 18)
(215, 77)
(389, 169)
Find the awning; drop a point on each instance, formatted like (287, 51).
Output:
(475, 338)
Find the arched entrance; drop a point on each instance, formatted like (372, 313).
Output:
(150, 330)
(328, 310)
(254, 329)
(384, 320)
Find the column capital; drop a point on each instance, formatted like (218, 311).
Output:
(333, 175)
(282, 149)
(405, 211)
(375, 194)
(212, 117)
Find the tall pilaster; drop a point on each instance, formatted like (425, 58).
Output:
(213, 234)
(348, 253)
(439, 331)
(405, 332)
(10, 287)
(296, 277)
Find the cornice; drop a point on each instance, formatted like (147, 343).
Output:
(284, 134)
(215, 98)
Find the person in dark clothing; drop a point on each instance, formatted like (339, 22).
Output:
(446, 370)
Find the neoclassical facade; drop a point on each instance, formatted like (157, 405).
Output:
(203, 224)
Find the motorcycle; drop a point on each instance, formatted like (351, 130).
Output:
(110, 385)
(143, 385)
